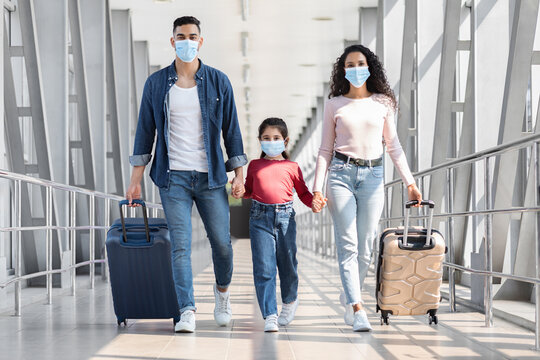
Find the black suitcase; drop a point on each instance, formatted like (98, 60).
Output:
(139, 256)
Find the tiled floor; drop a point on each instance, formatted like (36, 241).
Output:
(85, 327)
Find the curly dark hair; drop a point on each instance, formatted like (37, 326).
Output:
(376, 83)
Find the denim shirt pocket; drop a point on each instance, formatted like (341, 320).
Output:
(215, 109)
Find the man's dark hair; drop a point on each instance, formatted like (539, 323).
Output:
(185, 20)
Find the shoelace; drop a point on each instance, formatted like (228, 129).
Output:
(272, 319)
(186, 316)
(222, 303)
(286, 310)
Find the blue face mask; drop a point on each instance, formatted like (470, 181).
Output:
(273, 148)
(357, 76)
(186, 50)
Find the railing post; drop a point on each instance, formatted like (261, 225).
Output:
(73, 239)
(92, 239)
(488, 280)
(536, 155)
(48, 241)
(18, 247)
(105, 265)
(450, 209)
(386, 210)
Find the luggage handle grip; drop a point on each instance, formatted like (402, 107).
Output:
(145, 217)
(408, 204)
(429, 203)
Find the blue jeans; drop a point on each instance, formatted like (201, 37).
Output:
(272, 229)
(213, 206)
(355, 200)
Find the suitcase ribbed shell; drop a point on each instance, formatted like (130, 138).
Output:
(409, 281)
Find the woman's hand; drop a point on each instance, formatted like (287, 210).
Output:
(319, 201)
(414, 194)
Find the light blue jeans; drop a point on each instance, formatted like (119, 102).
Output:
(355, 200)
(185, 188)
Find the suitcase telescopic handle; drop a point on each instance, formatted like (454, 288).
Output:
(408, 205)
(145, 217)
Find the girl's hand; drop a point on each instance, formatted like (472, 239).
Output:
(237, 189)
(414, 194)
(318, 203)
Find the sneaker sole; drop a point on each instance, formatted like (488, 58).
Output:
(362, 330)
(184, 331)
(272, 331)
(222, 323)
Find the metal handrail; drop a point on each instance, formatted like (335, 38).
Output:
(468, 159)
(49, 227)
(70, 188)
(449, 167)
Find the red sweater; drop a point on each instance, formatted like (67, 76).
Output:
(272, 182)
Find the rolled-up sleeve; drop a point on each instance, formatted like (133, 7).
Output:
(236, 162)
(232, 136)
(146, 129)
(140, 160)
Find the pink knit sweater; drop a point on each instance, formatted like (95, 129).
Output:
(357, 128)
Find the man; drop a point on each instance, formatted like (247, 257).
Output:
(188, 104)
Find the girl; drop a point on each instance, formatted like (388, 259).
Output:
(359, 113)
(270, 181)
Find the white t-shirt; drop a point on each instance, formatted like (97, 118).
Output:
(186, 144)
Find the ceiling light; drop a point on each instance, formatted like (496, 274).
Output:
(245, 9)
(323, 18)
(163, 1)
(297, 95)
(245, 38)
(245, 73)
(307, 65)
(247, 93)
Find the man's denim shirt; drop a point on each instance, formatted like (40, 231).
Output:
(218, 115)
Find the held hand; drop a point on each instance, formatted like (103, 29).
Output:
(414, 194)
(237, 190)
(318, 203)
(133, 192)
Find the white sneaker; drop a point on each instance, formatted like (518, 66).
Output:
(287, 313)
(186, 323)
(270, 323)
(349, 312)
(222, 311)
(361, 322)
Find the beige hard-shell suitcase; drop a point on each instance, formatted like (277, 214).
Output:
(409, 270)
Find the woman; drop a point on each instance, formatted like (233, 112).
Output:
(358, 115)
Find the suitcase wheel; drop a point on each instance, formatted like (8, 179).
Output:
(119, 322)
(384, 317)
(433, 317)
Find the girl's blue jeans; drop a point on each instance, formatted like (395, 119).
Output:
(272, 230)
